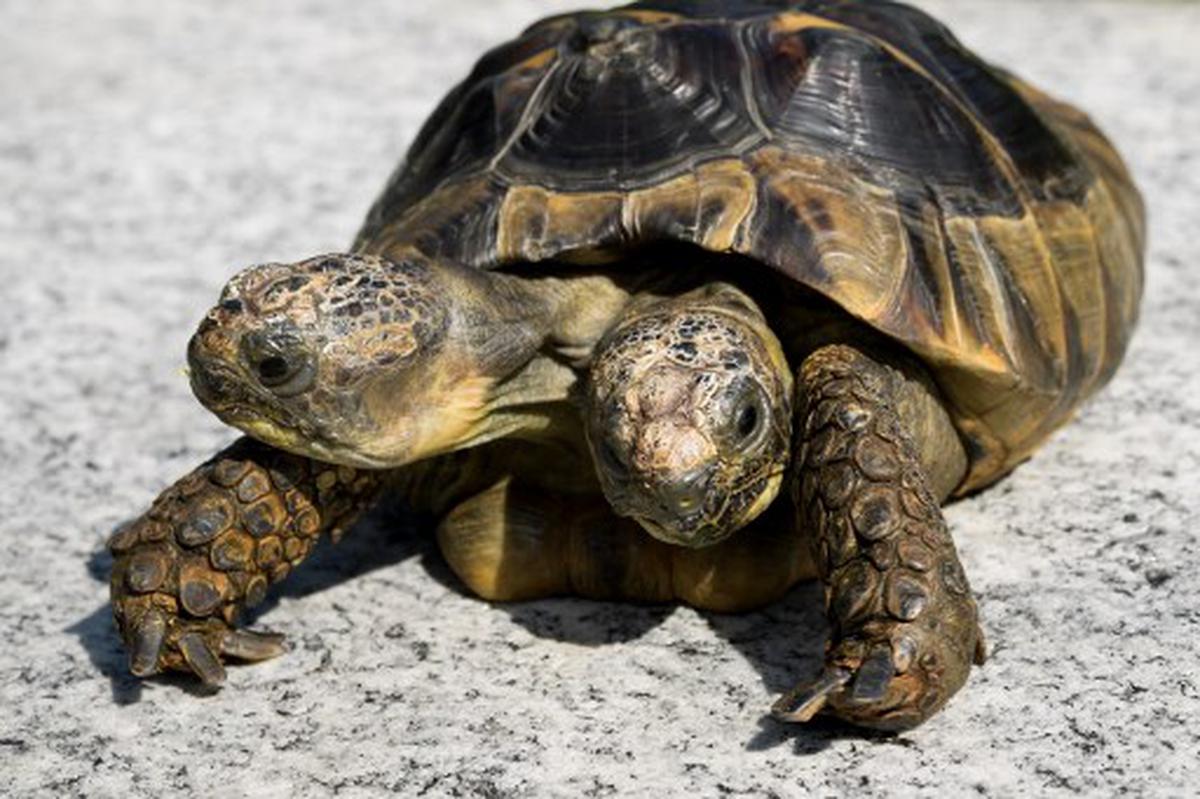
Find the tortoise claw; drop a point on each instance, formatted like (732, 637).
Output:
(872, 678)
(867, 683)
(201, 659)
(252, 646)
(981, 647)
(145, 643)
(157, 644)
(806, 701)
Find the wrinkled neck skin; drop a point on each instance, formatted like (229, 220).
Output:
(510, 367)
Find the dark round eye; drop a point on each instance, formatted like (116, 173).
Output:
(744, 416)
(747, 420)
(279, 361)
(274, 370)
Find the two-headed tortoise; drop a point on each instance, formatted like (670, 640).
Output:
(686, 253)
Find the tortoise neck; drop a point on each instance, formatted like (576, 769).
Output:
(535, 403)
(509, 363)
(508, 319)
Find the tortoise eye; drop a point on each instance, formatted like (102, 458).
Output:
(746, 416)
(747, 421)
(274, 370)
(286, 376)
(279, 362)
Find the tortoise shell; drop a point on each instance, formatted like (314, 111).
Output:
(856, 147)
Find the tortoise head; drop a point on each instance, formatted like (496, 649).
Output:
(689, 415)
(345, 358)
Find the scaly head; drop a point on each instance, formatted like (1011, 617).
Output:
(357, 359)
(689, 415)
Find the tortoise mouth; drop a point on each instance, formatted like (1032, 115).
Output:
(295, 438)
(223, 391)
(721, 511)
(691, 531)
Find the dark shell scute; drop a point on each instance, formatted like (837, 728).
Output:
(1050, 169)
(714, 9)
(855, 100)
(627, 111)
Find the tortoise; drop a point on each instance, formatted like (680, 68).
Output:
(641, 270)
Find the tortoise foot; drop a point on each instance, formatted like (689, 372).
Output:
(905, 625)
(211, 545)
(892, 678)
(159, 641)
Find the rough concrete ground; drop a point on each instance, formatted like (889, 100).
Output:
(149, 149)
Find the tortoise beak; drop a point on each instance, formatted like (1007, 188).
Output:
(674, 508)
(214, 385)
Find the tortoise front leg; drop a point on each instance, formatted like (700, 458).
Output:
(212, 543)
(904, 623)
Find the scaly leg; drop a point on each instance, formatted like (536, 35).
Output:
(904, 623)
(212, 543)
(210, 546)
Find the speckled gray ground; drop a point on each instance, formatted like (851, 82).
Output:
(150, 148)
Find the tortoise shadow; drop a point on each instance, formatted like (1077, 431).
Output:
(98, 636)
(782, 642)
(587, 622)
(785, 643)
(816, 736)
(386, 536)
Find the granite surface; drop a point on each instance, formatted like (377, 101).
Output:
(149, 148)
